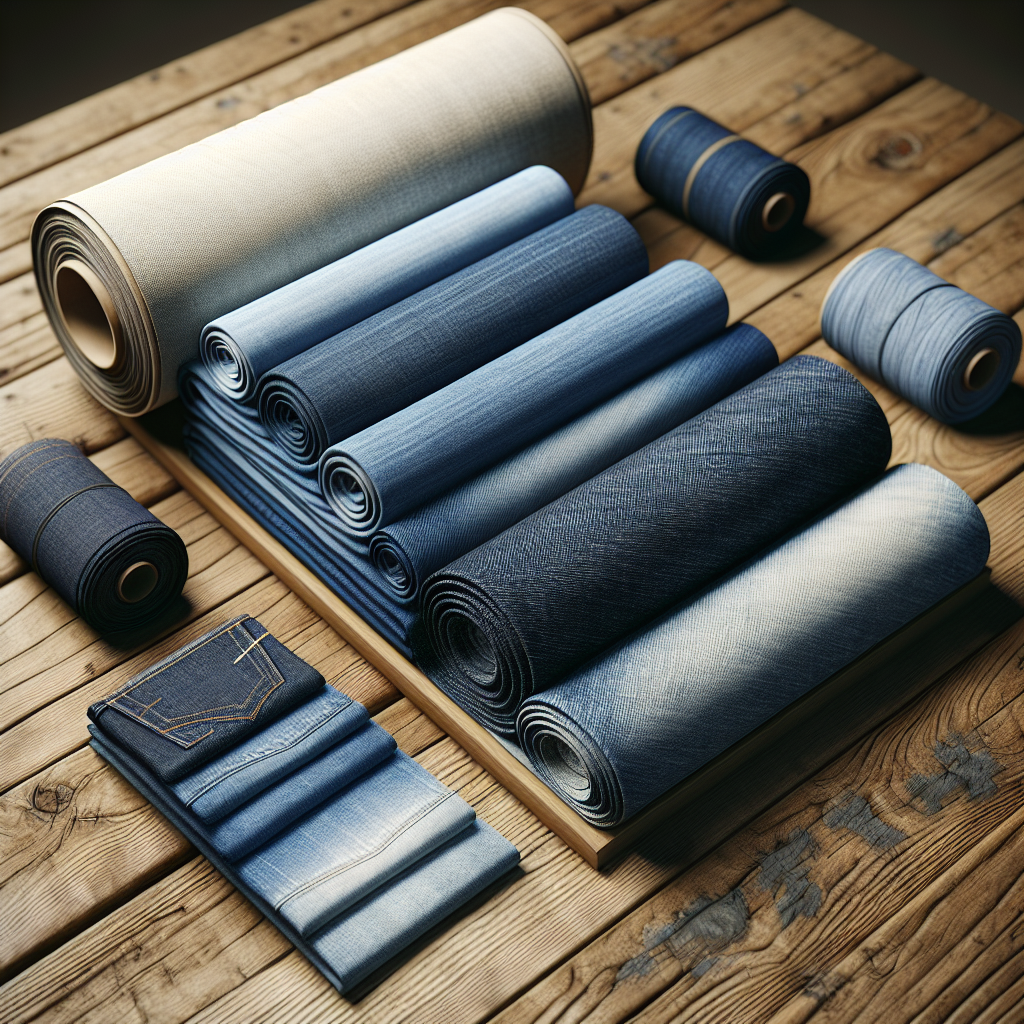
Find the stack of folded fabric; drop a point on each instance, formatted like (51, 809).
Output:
(346, 844)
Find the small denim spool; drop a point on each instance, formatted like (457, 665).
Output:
(934, 344)
(739, 194)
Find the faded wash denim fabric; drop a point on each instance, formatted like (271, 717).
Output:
(519, 612)
(217, 788)
(205, 698)
(426, 341)
(347, 847)
(84, 536)
(239, 347)
(408, 551)
(640, 718)
(390, 468)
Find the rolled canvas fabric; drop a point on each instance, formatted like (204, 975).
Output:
(239, 347)
(409, 550)
(439, 334)
(132, 269)
(387, 470)
(623, 730)
(521, 611)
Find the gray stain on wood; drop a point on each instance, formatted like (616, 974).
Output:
(855, 814)
(784, 874)
(967, 764)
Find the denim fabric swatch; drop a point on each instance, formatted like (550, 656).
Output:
(432, 338)
(387, 470)
(519, 612)
(939, 347)
(353, 843)
(208, 696)
(723, 190)
(106, 555)
(238, 775)
(643, 716)
(239, 347)
(408, 551)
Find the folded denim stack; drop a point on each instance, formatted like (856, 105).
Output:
(347, 845)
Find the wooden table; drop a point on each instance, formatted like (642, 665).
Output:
(890, 885)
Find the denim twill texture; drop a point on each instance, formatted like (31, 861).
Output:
(516, 614)
(81, 532)
(643, 716)
(239, 347)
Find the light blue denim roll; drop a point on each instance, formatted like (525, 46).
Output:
(352, 844)
(621, 731)
(408, 551)
(432, 338)
(239, 347)
(939, 347)
(382, 473)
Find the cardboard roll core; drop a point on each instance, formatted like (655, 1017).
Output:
(777, 210)
(984, 365)
(88, 313)
(137, 582)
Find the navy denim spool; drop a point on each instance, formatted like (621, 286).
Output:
(643, 716)
(513, 616)
(83, 534)
(408, 551)
(239, 347)
(442, 333)
(920, 335)
(390, 468)
(726, 194)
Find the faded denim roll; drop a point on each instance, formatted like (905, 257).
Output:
(637, 720)
(409, 550)
(240, 346)
(521, 611)
(106, 555)
(387, 470)
(443, 332)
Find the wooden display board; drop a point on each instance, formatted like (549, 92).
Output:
(719, 798)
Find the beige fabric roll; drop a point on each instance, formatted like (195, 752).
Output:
(132, 269)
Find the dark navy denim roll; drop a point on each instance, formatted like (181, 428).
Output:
(426, 341)
(110, 558)
(627, 727)
(738, 193)
(933, 343)
(210, 695)
(519, 612)
(387, 470)
(408, 551)
(239, 347)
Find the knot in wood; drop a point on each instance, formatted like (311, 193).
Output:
(899, 151)
(52, 799)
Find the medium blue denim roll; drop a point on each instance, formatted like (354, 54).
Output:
(519, 612)
(426, 341)
(106, 555)
(408, 551)
(738, 193)
(933, 343)
(633, 723)
(387, 470)
(239, 347)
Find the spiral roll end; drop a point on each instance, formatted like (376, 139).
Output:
(227, 364)
(292, 421)
(351, 493)
(394, 565)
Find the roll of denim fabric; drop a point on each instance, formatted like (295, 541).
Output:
(384, 472)
(432, 338)
(239, 347)
(623, 730)
(939, 347)
(130, 270)
(408, 551)
(106, 555)
(739, 194)
(521, 611)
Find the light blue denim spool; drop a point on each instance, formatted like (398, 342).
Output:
(239, 347)
(942, 349)
(633, 723)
